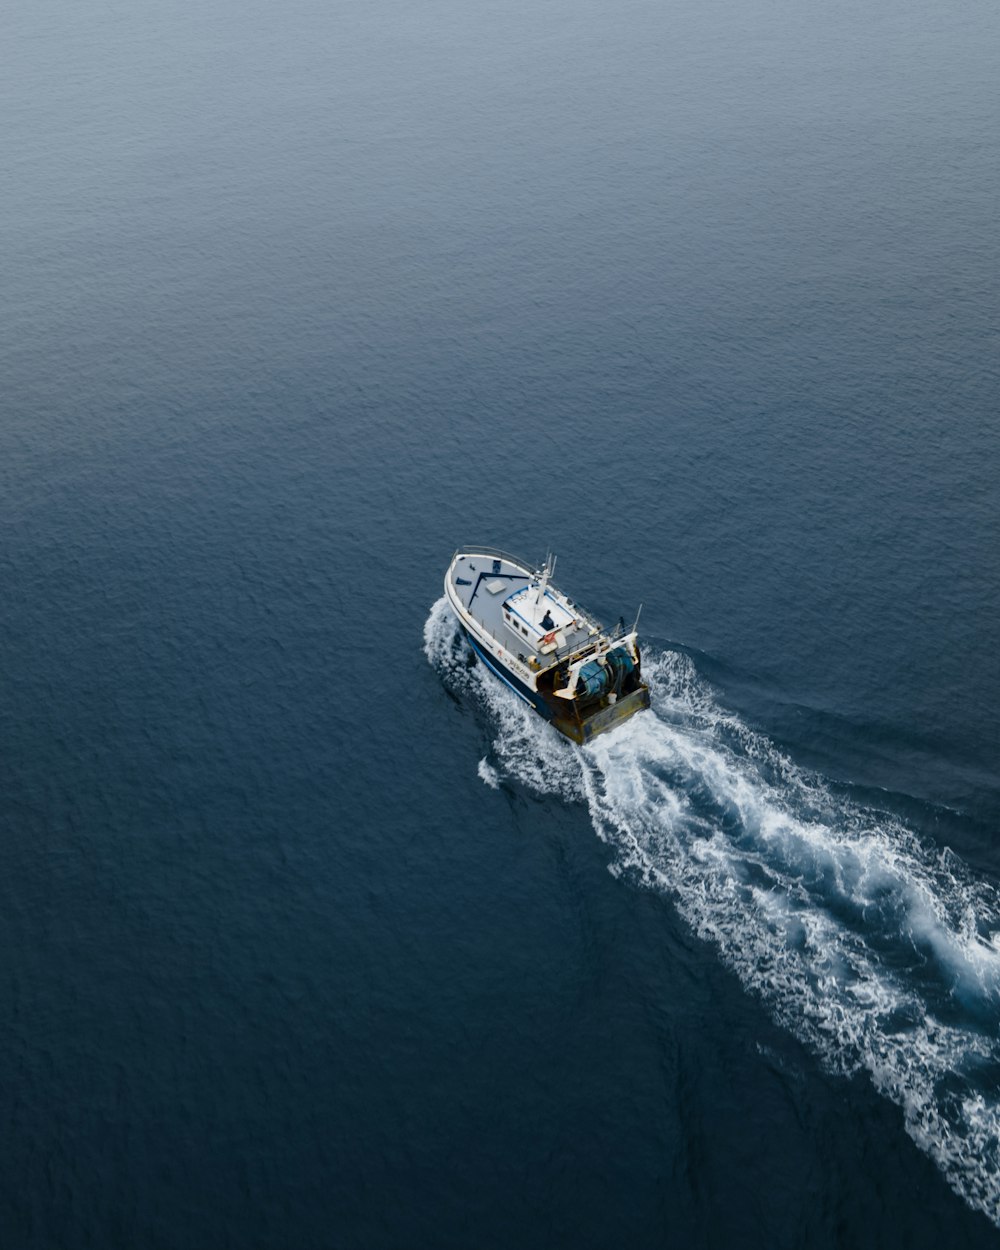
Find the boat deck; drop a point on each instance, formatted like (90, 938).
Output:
(502, 595)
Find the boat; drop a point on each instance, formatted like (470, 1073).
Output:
(581, 677)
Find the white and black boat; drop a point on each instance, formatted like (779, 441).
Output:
(557, 657)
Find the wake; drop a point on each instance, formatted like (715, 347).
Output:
(878, 951)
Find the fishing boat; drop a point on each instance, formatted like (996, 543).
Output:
(557, 657)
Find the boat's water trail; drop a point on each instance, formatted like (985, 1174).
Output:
(876, 949)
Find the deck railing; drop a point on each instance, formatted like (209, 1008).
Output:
(494, 553)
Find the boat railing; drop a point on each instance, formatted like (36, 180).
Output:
(611, 635)
(493, 553)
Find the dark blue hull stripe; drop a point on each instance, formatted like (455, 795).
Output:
(520, 689)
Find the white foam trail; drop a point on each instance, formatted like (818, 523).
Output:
(489, 774)
(878, 951)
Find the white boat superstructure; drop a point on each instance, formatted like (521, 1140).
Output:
(550, 651)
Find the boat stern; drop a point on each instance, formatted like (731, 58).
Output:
(606, 718)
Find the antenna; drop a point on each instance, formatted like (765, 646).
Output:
(544, 581)
(637, 615)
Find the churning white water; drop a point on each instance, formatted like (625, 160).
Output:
(875, 949)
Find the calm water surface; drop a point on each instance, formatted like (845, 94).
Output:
(308, 934)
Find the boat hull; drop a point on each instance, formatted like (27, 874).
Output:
(496, 666)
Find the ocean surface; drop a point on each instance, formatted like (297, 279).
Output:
(310, 935)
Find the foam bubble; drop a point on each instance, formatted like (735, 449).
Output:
(875, 949)
(489, 774)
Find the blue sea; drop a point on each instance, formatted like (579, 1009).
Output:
(311, 936)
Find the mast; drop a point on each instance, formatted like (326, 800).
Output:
(543, 582)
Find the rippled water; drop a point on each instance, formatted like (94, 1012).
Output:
(305, 941)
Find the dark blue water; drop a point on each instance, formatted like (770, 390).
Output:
(309, 936)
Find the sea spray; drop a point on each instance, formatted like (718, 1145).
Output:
(871, 946)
